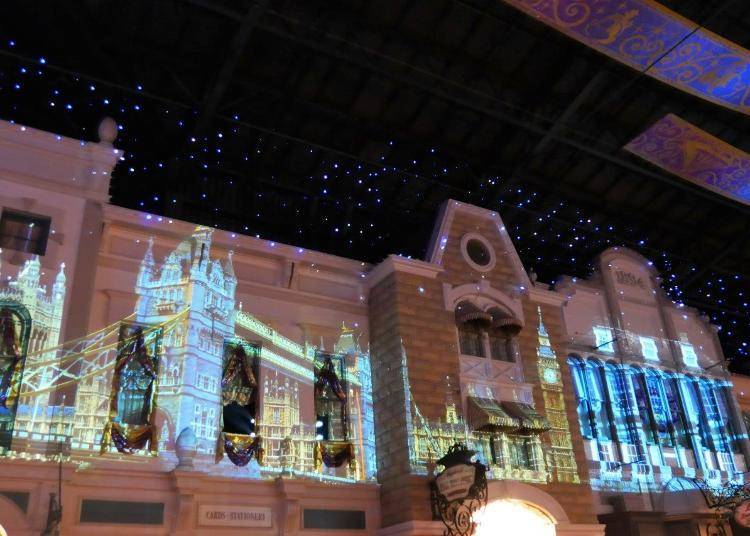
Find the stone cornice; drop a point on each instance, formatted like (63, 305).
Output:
(549, 297)
(144, 224)
(396, 263)
(57, 163)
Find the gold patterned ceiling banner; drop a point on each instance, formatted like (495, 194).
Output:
(639, 32)
(684, 150)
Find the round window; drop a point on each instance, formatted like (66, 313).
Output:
(478, 252)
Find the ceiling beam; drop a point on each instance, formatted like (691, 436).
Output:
(711, 261)
(216, 91)
(342, 49)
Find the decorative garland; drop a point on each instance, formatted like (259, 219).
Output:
(238, 380)
(238, 385)
(10, 353)
(241, 448)
(327, 378)
(333, 453)
(128, 438)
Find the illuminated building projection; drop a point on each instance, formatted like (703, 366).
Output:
(46, 309)
(646, 417)
(190, 301)
(192, 361)
(505, 435)
(561, 457)
(15, 325)
(653, 403)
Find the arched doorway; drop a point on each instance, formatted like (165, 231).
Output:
(511, 516)
(518, 508)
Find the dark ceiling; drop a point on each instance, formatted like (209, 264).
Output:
(342, 126)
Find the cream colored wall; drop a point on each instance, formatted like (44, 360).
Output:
(304, 303)
(68, 181)
(182, 492)
(634, 310)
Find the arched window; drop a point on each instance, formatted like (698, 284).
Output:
(489, 333)
(714, 424)
(500, 345)
(593, 412)
(622, 411)
(598, 400)
(472, 324)
(723, 393)
(502, 335)
(677, 412)
(586, 416)
(470, 338)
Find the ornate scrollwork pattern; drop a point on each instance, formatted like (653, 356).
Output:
(685, 150)
(645, 35)
(458, 515)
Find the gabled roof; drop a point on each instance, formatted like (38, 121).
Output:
(441, 231)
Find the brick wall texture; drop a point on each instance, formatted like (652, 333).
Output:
(409, 309)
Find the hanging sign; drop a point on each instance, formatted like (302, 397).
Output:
(459, 491)
(455, 482)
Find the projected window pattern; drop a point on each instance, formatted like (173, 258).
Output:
(207, 383)
(662, 419)
(604, 339)
(204, 422)
(648, 348)
(632, 408)
(689, 357)
(623, 416)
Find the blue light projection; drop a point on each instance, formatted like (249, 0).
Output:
(635, 419)
(652, 39)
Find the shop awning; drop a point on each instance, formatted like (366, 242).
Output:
(487, 415)
(468, 312)
(530, 422)
(508, 324)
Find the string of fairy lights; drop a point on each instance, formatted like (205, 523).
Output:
(235, 158)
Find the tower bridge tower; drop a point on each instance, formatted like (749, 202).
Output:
(192, 352)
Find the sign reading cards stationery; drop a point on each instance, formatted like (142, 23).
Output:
(223, 515)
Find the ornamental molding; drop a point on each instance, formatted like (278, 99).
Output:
(397, 263)
(696, 156)
(440, 233)
(652, 39)
(547, 297)
(483, 295)
(509, 489)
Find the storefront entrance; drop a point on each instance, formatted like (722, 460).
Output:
(510, 516)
